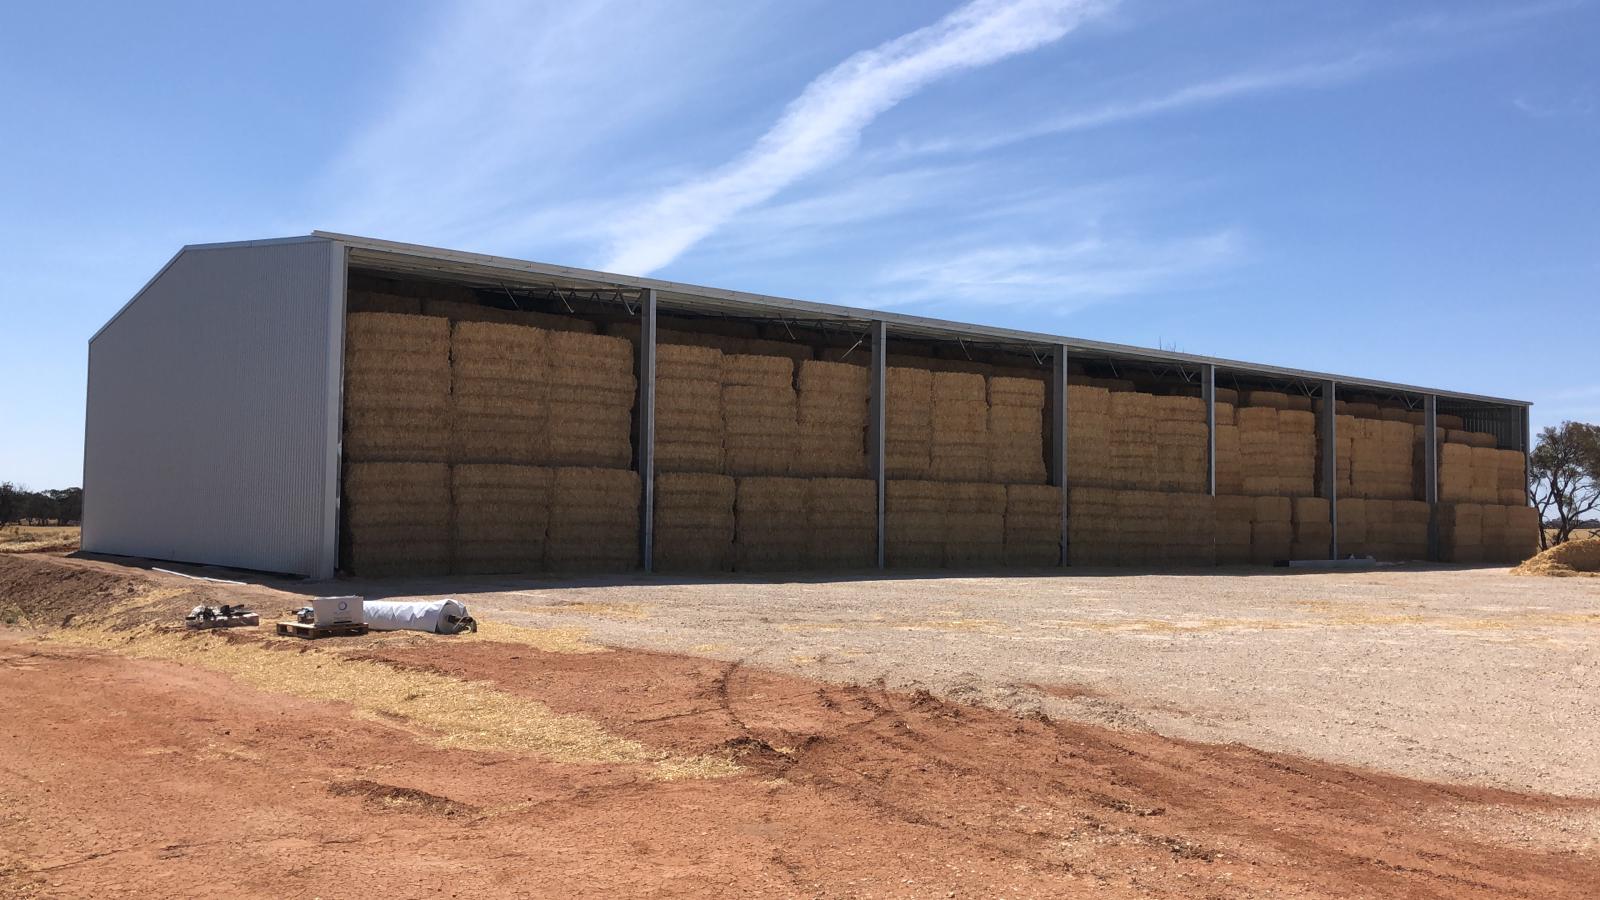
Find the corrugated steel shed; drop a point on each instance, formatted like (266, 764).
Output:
(212, 427)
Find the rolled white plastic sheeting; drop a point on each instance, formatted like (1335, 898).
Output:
(434, 616)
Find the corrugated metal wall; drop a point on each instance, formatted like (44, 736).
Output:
(213, 411)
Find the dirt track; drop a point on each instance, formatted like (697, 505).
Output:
(125, 776)
(130, 777)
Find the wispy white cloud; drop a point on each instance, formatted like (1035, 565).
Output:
(502, 104)
(1066, 275)
(1217, 90)
(825, 122)
(1577, 106)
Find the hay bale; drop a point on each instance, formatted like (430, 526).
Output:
(916, 523)
(908, 423)
(975, 527)
(770, 520)
(501, 516)
(592, 391)
(594, 520)
(694, 522)
(759, 411)
(499, 410)
(379, 301)
(832, 412)
(841, 523)
(396, 388)
(960, 416)
(1016, 430)
(1233, 514)
(397, 518)
(1033, 525)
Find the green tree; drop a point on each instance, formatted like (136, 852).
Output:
(1564, 478)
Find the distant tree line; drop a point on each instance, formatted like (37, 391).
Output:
(18, 504)
(1564, 479)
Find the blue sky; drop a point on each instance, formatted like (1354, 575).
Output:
(1408, 191)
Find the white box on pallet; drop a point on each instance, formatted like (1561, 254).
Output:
(338, 611)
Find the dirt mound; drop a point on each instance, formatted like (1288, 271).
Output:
(1563, 560)
(51, 591)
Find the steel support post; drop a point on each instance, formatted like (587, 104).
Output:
(1208, 393)
(647, 428)
(1058, 442)
(1527, 448)
(1430, 470)
(1328, 436)
(878, 389)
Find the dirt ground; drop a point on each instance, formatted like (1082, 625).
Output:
(542, 761)
(1465, 675)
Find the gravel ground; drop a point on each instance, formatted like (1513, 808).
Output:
(1462, 675)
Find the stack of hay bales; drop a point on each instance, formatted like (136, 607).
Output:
(1399, 446)
(841, 523)
(1455, 473)
(1313, 531)
(1511, 481)
(1088, 436)
(916, 523)
(1016, 430)
(594, 520)
(1233, 515)
(1258, 449)
(1189, 532)
(758, 414)
(1033, 525)
(908, 424)
(1271, 530)
(1461, 532)
(960, 449)
(694, 522)
(1297, 452)
(1092, 535)
(1520, 540)
(396, 518)
(832, 412)
(591, 397)
(1353, 537)
(1133, 441)
(975, 525)
(1494, 531)
(1180, 435)
(770, 521)
(1485, 475)
(502, 513)
(499, 396)
(689, 417)
(1230, 465)
(397, 388)
(1397, 529)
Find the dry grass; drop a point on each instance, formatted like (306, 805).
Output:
(444, 711)
(38, 538)
(1575, 557)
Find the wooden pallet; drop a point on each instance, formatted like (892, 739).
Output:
(301, 629)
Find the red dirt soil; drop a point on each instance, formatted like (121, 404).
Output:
(126, 777)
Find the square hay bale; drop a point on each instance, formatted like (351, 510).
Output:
(594, 520)
(1265, 399)
(1033, 525)
(750, 370)
(378, 301)
(694, 522)
(502, 514)
(499, 409)
(841, 523)
(974, 534)
(770, 520)
(396, 388)
(397, 518)
(915, 517)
